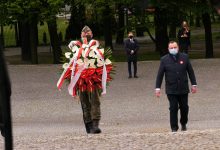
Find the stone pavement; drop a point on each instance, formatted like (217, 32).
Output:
(132, 117)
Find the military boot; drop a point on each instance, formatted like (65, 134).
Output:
(89, 127)
(95, 129)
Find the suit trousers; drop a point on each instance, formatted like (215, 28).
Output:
(178, 102)
(135, 67)
(90, 106)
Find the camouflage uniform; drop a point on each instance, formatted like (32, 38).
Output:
(90, 102)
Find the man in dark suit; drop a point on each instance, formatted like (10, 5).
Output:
(177, 68)
(131, 48)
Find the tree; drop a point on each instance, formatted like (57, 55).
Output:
(26, 13)
(3, 21)
(206, 19)
(120, 25)
(107, 26)
(54, 39)
(103, 7)
(49, 9)
(202, 11)
(161, 33)
(77, 20)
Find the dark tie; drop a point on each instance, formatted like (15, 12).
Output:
(174, 57)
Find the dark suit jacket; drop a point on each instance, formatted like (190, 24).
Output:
(176, 74)
(131, 46)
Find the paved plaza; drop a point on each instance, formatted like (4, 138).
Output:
(132, 117)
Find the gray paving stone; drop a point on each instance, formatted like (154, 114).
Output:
(132, 117)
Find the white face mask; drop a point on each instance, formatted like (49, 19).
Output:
(173, 51)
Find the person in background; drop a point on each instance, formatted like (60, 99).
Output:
(184, 38)
(131, 48)
(177, 68)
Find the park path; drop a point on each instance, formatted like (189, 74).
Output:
(132, 117)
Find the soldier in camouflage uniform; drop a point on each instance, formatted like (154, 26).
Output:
(90, 100)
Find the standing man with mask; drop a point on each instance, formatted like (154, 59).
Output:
(90, 101)
(131, 48)
(176, 67)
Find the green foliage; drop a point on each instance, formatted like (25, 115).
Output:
(3, 12)
(23, 9)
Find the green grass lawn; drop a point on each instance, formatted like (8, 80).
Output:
(9, 32)
(118, 56)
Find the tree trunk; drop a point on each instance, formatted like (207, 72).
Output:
(16, 34)
(19, 32)
(107, 27)
(25, 41)
(213, 16)
(172, 31)
(33, 40)
(151, 36)
(191, 19)
(76, 23)
(73, 30)
(120, 30)
(161, 34)
(54, 39)
(208, 35)
(198, 22)
(2, 45)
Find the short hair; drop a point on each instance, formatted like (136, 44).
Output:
(171, 42)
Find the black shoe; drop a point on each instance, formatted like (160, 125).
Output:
(95, 129)
(174, 129)
(89, 127)
(130, 77)
(135, 76)
(184, 128)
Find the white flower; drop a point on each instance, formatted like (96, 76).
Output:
(102, 50)
(74, 49)
(108, 61)
(65, 65)
(67, 54)
(100, 62)
(88, 63)
(93, 54)
(91, 63)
